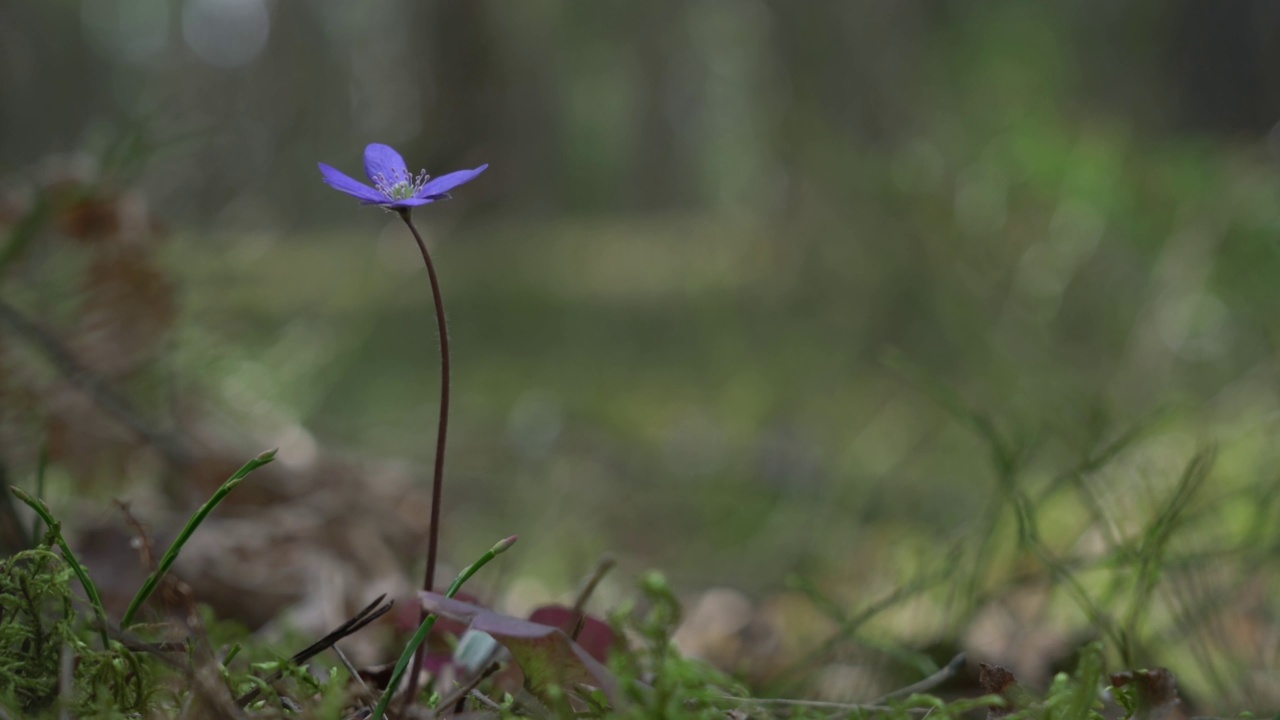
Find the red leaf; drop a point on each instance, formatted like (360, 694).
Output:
(596, 636)
(545, 654)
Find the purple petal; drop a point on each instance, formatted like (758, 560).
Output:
(405, 203)
(383, 164)
(443, 184)
(415, 202)
(339, 181)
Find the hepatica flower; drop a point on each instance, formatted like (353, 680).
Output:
(394, 187)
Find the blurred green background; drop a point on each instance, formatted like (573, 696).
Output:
(735, 270)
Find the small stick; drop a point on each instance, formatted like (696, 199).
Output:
(486, 701)
(350, 627)
(146, 548)
(946, 673)
(826, 704)
(346, 663)
(460, 694)
(66, 681)
(584, 594)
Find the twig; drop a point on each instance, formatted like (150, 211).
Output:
(927, 684)
(146, 547)
(822, 704)
(158, 649)
(355, 675)
(357, 623)
(849, 626)
(485, 700)
(206, 684)
(346, 663)
(460, 694)
(66, 681)
(584, 594)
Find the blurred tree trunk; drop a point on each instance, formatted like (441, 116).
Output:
(1224, 59)
(663, 172)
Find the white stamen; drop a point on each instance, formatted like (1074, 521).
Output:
(401, 185)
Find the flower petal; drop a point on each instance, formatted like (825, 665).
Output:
(349, 185)
(383, 164)
(443, 184)
(405, 203)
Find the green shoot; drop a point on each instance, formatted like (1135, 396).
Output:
(55, 532)
(420, 636)
(171, 555)
(41, 467)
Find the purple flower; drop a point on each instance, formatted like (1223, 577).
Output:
(394, 187)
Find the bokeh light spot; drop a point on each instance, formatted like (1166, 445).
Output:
(131, 30)
(226, 33)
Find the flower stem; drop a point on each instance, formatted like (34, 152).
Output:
(437, 479)
(418, 641)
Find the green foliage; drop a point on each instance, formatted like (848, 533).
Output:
(420, 635)
(38, 629)
(171, 555)
(657, 681)
(55, 538)
(36, 624)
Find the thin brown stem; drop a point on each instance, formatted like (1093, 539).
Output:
(442, 430)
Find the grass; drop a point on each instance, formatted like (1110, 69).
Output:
(752, 436)
(893, 432)
(733, 469)
(654, 680)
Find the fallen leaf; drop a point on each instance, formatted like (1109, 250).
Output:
(596, 637)
(545, 654)
(1156, 693)
(996, 680)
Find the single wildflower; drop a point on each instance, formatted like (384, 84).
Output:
(394, 187)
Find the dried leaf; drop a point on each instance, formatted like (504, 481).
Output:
(90, 219)
(1155, 693)
(127, 310)
(996, 680)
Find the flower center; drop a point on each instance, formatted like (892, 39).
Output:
(401, 185)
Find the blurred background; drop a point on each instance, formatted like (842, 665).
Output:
(935, 310)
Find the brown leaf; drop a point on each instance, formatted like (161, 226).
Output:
(996, 680)
(1156, 693)
(128, 308)
(90, 219)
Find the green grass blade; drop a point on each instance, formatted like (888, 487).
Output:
(55, 531)
(420, 636)
(24, 232)
(41, 467)
(170, 555)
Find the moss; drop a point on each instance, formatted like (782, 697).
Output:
(36, 623)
